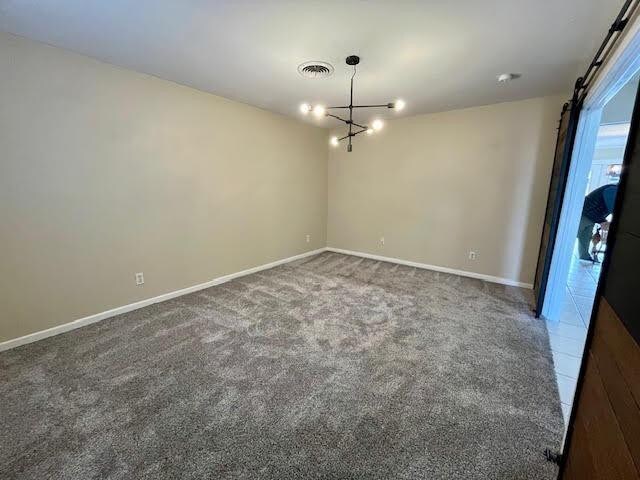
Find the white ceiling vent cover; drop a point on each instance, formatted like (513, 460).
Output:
(315, 69)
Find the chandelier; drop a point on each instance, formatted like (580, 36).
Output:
(354, 128)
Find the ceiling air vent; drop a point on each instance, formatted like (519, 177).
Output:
(315, 69)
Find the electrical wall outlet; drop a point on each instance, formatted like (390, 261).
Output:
(139, 278)
(308, 238)
(472, 255)
(382, 241)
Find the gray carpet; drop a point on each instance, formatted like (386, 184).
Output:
(332, 367)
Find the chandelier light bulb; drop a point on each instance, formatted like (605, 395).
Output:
(334, 141)
(369, 131)
(319, 110)
(305, 108)
(398, 105)
(377, 124)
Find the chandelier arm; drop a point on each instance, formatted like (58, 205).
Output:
(382, 105)
(337, 117)
(353, 134)
(361, 126)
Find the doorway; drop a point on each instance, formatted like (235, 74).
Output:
(581, 242)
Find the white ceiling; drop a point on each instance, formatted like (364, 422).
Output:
(435, 54)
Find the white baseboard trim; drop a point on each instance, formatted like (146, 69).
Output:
(81, 322)
(436, 268)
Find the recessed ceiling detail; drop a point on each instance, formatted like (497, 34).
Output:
(315, 69)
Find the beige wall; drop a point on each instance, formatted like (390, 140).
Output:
(437, 186)
(105, 172)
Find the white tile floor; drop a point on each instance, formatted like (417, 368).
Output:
(568, 332)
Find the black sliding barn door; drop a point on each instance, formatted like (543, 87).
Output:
(562, 159)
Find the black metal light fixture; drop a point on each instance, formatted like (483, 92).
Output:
(354, 128)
